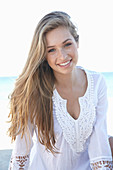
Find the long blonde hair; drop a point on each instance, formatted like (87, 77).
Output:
(32, 95)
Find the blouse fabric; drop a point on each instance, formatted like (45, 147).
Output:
(82, 144)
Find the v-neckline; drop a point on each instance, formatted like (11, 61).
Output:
(79, 98)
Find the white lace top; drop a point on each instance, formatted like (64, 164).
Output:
(82, 143)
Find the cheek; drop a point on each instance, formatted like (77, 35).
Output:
(74, 52)
(75, 55)
(50, 60)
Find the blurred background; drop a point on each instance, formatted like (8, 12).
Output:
(18, 20)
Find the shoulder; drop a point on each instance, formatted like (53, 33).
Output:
(98, 78)
(95, 79)
(96, 75)
(99, 86)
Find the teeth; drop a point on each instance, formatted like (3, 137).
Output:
(63, 64)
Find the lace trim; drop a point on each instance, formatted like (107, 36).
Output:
(19, 162)
(102, 164)
(76, 132)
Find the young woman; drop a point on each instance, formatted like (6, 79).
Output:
(64, 104)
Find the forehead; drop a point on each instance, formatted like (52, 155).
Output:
(58, 35)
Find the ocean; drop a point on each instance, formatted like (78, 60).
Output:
(6, 87)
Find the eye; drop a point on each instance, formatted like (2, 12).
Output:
(51, 50)
(68, 44)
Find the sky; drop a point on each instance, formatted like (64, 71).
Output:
(19, 18)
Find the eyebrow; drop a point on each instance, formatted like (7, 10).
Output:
(62, 43)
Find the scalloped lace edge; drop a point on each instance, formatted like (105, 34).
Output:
(19, 162)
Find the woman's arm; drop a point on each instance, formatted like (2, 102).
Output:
(99, 147)
(21, 151)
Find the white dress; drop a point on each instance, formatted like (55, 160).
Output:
(83, 143)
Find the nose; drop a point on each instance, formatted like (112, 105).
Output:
(62, 54)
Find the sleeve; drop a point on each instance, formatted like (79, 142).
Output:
(99, 148)
(21, 151)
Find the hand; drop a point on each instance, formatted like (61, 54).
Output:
(111, 144)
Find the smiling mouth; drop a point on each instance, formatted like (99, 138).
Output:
(65, 63)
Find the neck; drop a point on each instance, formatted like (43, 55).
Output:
(66, 80)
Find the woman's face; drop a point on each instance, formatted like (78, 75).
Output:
(62, 54)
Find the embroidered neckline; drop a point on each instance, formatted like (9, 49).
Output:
(80, 99)
(76, 132)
